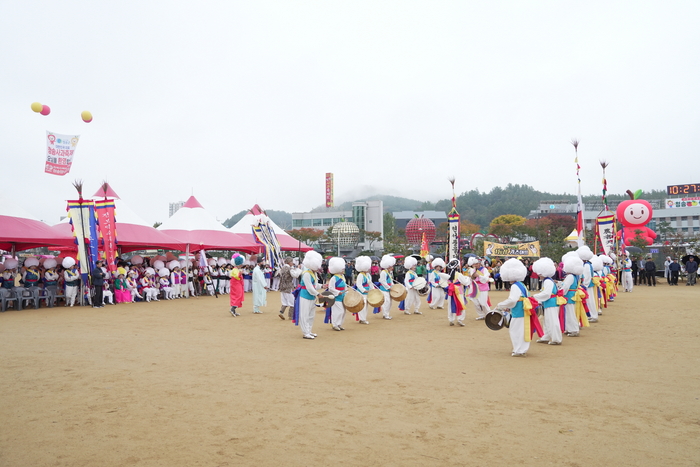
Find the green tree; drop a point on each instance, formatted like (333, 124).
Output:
(371, 237)
(506, 225)
(389, 225)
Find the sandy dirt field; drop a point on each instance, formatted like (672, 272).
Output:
(183, 383)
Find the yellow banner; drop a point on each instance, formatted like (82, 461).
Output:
(529, 249)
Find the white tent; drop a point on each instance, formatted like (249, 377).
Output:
(198, 228)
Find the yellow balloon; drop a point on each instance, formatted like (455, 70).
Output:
(36, 107)
(86, 115)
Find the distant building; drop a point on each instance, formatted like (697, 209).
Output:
(683, 220)
(403, 217)
(174, 207)
(367, 215)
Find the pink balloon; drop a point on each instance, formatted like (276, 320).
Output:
(45, 110)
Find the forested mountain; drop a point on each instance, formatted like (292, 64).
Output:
(473, 206)
(480, 208)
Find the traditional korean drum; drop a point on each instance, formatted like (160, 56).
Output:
(375, 298)
(398, 292)
(353, 301)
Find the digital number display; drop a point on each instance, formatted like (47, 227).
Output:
(686, 189)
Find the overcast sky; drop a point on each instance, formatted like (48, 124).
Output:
(253, 102)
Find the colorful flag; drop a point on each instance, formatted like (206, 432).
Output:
(605, 231)
(84, 225)
(424, 250)
(264, 234)
(108, 231)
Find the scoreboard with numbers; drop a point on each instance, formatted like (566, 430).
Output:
(685, 189)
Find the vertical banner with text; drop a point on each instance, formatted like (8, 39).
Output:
(84, 225)
(453, 236)
(59, 152)
(329, 190)
(108, 231)
(605, 231)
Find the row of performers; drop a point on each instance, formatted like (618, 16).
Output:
(588, 286)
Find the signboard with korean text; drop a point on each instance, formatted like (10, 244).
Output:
(605, 231)
(683, 202)
(59, 152)
(329, 190)
(528, 249)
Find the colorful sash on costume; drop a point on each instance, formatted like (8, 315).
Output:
(457, 303)
(597, 286)
(581, 307)
(304, 292)
(532, 324)
(340, 286)
(561, 302)
(295, 316)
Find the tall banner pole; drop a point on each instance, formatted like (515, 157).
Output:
(579, 201)
(605, 222)
(453, 227)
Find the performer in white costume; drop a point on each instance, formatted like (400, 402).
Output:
(456, 303)
(260, 286)
(385, 282)
(573, 268)
(307, 295)
(480, 286)
(597, 283)
(132, 284)
(337, 286)
(627, 280)
(176, 279)
(545, 268)
(71, 277)
(586, 254)
(148, 286)
(437, 293)
(363, 283)
(514, 271)
(164, 282)
(412, 299)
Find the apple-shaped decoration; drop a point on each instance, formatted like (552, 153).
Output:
(634, 214)
(418, 226)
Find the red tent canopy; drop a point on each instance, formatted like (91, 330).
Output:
(22, 231)
(22, 234)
